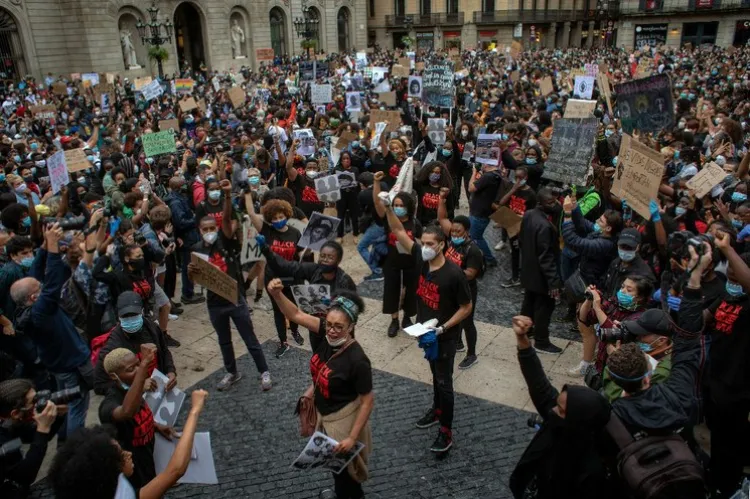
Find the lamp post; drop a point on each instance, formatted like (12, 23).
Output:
(306, 26)
(151, 33)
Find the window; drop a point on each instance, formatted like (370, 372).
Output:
(425, 7)
(451, 6)
(699, 33)
(400, 7)
(488, 5)
(372, 8)
(278, 31)
(342, 22)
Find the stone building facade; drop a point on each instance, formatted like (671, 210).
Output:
(60, 37)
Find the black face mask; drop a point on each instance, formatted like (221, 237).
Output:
(138, 264)
(551, 210)
(328, 268)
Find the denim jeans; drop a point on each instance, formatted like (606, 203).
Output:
(372, 234)
(478, 226)
(187, 284)
(240, 315)
(77, 409)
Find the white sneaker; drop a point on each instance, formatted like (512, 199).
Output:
(580, 370)
(173, 317)
(265, 381)
(499, 246)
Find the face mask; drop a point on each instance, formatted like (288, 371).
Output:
(328, 268)
(21, 189)
(311, 174)
(400, 211)
(28, 178)
(138, 264)
(131, 324)
(738, 197)
(336, 343)
(17, 158)
(26, 262)
(40, 164)
(355, 144)
(458, 241)
(26, 222)
(597, 228)
(504, 136)
(645, 347)
(532, 142)
(625, 255)
(428, 253)
(530, 161)
(2, 177)
(254, 180)
(736, 224)
(90, 159)
(608, 133)
(434, 178)
(189, 119)
(34, 146)
(734, 289)
(210, 237)
(214, 195)
(128, 212)
(279, 224)
(679, 211)
(447, 153)
(625, 300)
(464, 133)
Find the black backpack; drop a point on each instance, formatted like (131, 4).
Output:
(657, 467)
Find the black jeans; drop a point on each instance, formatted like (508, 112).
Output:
(279, 319)
(442, 382)
(728, 437)
(393, 279)
(515, 258)
(348, 206)
(465, 172)
(347, 487)
(539, 306)
(468, 325)
(170, 276)
(240, 315)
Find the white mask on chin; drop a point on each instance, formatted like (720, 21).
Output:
(336, 343)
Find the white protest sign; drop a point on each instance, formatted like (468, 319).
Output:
(382, 87)
(318, 453)
(328, 188)
(321, 94)
(216, 83)
(379, 129)
(578, 108)
(201, 468)
(378, 73)
(436, 130)
(584, 86)
(706, 179)
(353, 101)
(164, 404)
(250, 248)
(152, 90)
(58, 171)
(638, 175)
(306, 140)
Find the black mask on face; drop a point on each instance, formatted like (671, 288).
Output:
(138, 264)
(328, 268)
(551, 210)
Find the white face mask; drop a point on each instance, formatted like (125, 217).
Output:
(336, 343)
(532, 142)
(464, 133)
(311, 174)
(210, 237)
(428, 254)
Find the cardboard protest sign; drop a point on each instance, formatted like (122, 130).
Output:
(488, 149)
(251, 251)
(584, 87)
(60, 88)
(166, 125)
(387, 98)
(572, 149)
(646, 105)
(345, 139)
(75, 160)
(546, 86)
(321, 228)
(576, 108)
(237, 96)
(706, 179)
(392, 117)
(415, 87)
(58, 172)
(420, 66)
(515, 76)
(264, 55)
(437, 85)
(508, 220)
(47, 112)
(603, 81)
(399, 71)
(321, 94)
(188, 105)
(405, 62)
(152, 91)
(158, 143)
(141, 82)
(638, 175)
(212, 278)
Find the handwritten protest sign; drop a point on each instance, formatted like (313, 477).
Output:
(264, 55)
(141, 82)
(546, 85)
(437, 85)
(638, 175)
(75, 160)
(158, 143)
(212, 278)
(152, 90)
(165, 125)
(44, 112)
(576, 108)
(603, 81)
(508, 220)
(251, 251)
(60, 88)
(237, 96)
(706, 179)
(572, 149)
(58, 172)
(188, 105)
(399, 71)
(321, 94)
(392, 117)
(387, 98)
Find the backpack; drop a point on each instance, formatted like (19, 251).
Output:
(656, 467)
(74, 302)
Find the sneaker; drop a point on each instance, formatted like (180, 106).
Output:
(175, 311)
(175, 304)
(469, 361)
(549, 348)
(265, 381)
(194, 300)
(460, 347)
(283, 348)
(511, 283)
(228, 380)
(173, 317)
(429, 419)
(393, 328)
(327, 494)
(298, 338)
(580, 370)
(374, 277)
(443, 442)
(406, 322)
(171, 342)
(499, 246)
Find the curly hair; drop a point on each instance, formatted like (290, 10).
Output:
(628, 363)
(17, 244)
(87, 466)
(114, 359)
(13, 395)
(160, 215)
(12, 216)
(423, 175)
(353, 297)
(282, 193)
(274, 206)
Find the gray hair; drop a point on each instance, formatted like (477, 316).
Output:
(21, 290)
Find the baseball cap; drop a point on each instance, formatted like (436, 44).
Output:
(630, 238)
(652, 321)
(129, 303)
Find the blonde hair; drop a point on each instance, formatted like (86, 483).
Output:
(114, 359)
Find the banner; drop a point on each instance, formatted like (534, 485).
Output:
(158, 143)
(638, 175)
(650, 35)
(572, 149)
(44, 112)
(213, 279)
(646, 104)
(437, 85)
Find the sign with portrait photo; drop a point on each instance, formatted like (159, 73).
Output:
(320, 229)
(318, 454)
(436, 130)
(307, 142)
(328, 188)
(415, 87)
(488, 149)
(353, 101)
(646, 104)
(312, 299)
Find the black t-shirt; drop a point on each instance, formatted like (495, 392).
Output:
(440, 293)
(343, 379)
(730, 348)
(522, 200)
(307, 196)
(216, 211)
(466, 256)
(345, 184)
(480, 204)
(391, 167)
(283, 243)
(428, 200)
(395, 259)
(135, 435)
(224, 254)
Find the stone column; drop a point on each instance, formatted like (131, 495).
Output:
(551, 34)
(590, 37)
(566, 35)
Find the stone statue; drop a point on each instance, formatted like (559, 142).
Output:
(238, 38)
(128, 50)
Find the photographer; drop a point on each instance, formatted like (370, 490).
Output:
(20, 419)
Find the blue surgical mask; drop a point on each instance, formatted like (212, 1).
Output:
(504, 136)
(189, 119)
(736, 224)
(447, 153)
(458, 241)
(34, 146)
(400, 211)
(214, 195)
(254, 180)
(614, 161)
(679, 211)
(530, 161)
(131, 324)
(434, 178)
(2, 177)
(90, 158)
(597, 228)
(27, 262)
(625, 255)
(17, 158)
(26, 222)
(739, 197)
(279, 224)
(645, 347)
(734, 289)
(625, 300)
(355, 144)
(608, 133)
(677, 154)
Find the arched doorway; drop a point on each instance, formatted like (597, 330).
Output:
(315, 14)
(342, 21)
(278, 31)
(189, 36)
(12, 63)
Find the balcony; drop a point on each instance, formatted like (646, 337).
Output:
(668, 7)
(533, 16)
(425, 20)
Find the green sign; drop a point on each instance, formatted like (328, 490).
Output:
(158, 143)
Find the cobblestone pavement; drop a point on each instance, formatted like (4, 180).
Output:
(254, 438)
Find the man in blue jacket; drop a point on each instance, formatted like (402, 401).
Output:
(186, 232)
(39, 316)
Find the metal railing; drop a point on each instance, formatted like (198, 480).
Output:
(533, 16)
(666, 7)
(436, 19)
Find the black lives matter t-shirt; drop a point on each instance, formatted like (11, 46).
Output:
(306, 195)
(440, 293)
(341, 380)
(283, 244)
(215, 211)
(466, 256)
(730, 347)
(135, 435)
(224, 254)
(394, 258)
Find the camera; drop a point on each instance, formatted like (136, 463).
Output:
(588, 295)
(167, 241)
(535, 421)
(139, 239)
(614, 334)
(58, 398)
(76, 223)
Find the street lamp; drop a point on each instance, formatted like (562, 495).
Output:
(306, 26)
(153, 37)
